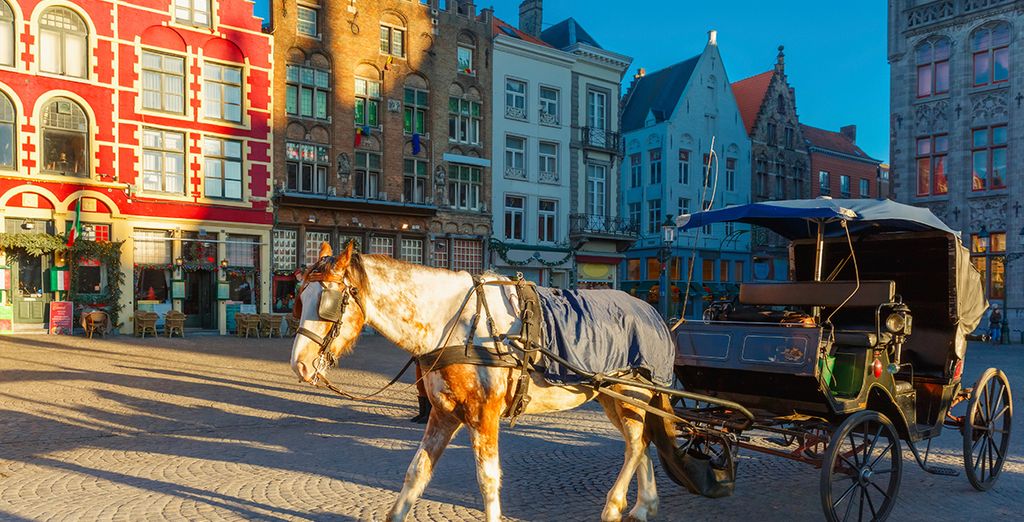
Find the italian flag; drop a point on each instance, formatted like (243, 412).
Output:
(76, 229)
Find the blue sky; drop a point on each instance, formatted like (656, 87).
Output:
(835, 51)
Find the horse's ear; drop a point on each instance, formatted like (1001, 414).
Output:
(343, 259)
(325, 250)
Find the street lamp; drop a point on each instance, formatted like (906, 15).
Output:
(668, 236)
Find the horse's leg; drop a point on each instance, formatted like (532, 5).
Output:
(630, 422)
(441, 427)
(484, 436)
(646, 491)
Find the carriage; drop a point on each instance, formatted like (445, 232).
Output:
(860, 353)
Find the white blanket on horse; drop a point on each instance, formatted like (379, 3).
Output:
(604, 331)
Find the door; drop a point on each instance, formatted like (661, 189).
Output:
(199, 303)
(30, 299)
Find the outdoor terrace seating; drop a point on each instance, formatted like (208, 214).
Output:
(174, 322)
(145, 322)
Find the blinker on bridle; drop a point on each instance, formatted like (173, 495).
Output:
(331, 308)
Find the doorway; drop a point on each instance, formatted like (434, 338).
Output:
(29, 297)
(199, 304)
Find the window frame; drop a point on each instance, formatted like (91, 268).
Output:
(684, 166)
(62, 36)
(469, 70)
(9, 19)
(989, 149)
(547, 161)
(295, 83)
(164, 153)
(306, 9)
(550, 107)
(415, 115)
(313, 157)
(387, 44)
(824, 183)
(415, 181)
(845, 186)
(369, 100)
(988, 52)
(372, 175)
(191, 19)
(654, 216)
(513, 169)
(9, 126)
(46, 131)
(730, 174)
(515, 102)
(224, 159)
(223, 86)
(934, 159)
(515, 217)
(463, 125)
(163, 76)
(597, 189)
(933, 65)
(547, 221)
(465, 180)
(655, 168)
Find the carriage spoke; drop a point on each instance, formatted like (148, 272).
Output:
(860, 505)
(881, 471)
(853, 445)
(882, 454)
(852, 465)
(871, 505)
(882, 491)
(998, 405)
(843, 496)
(871, 448)
(849, 505)
(999, 415)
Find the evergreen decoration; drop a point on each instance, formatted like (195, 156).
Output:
(108, 253)
(502, 250)
(32, 244)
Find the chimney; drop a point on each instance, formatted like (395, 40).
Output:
(850, 131)
(713, 37)
(531, 16)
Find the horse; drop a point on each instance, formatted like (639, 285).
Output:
(419, 309)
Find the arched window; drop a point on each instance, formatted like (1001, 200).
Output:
(991, 48)
(63, 43)
(6, 133)
(780, 105)
(932, 67)
(6, 34)
(65, 138)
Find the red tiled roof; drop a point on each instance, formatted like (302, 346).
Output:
(499, 26)
(749, 94)
(829, 140)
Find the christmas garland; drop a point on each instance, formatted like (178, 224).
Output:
(108, 253)
(502, 250)
(32, 244)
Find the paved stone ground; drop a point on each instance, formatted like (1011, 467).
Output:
(212, 428)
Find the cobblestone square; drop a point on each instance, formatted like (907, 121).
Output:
(217, 428)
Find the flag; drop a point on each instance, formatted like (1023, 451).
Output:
(76, 229)
(388, 62)
(416, 144)
(366, 130)
(359, 136)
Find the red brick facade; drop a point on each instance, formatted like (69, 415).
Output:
(839, 168)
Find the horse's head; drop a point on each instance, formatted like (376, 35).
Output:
(329, 312)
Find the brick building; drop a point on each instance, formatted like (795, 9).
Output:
(150, 118)
(839, 168)
(382, 132)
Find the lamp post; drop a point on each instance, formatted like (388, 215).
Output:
(668, 236)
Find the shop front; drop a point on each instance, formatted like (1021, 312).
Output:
(29, 297)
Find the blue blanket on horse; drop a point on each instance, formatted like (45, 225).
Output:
(604, 331)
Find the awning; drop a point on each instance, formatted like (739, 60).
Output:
(466, 160)
(595, 272)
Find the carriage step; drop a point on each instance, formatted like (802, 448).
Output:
(937, 470)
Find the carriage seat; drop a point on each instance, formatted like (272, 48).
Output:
(829, 294)
(861, 339)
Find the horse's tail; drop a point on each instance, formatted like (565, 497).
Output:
(663, 432)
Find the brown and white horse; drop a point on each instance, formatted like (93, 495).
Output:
(416, 307)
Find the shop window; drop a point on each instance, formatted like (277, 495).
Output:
(412, 251)
(91, 277)
(653, 268)
(285, 250)
(312, 244)
(383, 245)
(633, 269)
(468, 255)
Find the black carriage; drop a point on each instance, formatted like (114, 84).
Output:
(859, 353)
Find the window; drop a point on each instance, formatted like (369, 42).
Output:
(991, 48)
(464, 187)
(392, 41)
(865, 188)
(931, 165)
(789, 137)
(684, 166)
(367, 109)
(515, 99)
(633, 269)
(63, 43)
(242, 251)
(549, 106)
(411, 251)
(468, 255)
(780, 187)
(932, 68)
(636, 170)
(738, 272)
(708, 269)
(515, 158)
(654, 216)
(465, 60)
(414, 119)
(65, 138)
(306, 92)
(414, 180)
(654, 156)
(193, 12)
(762, 177)
(597, 112)
(284, 250)
(548, 152)
(223, 168)
(547, 220)
(307, 22)
(723, 270)
(163, 161)
(772, 134)
(730, 174)
(151, 247)
(514, 215)
(356, 240)
(7, 133)
(163, 83)
(367, 175)
(92, 278)
(312, 244)
(634, 213)
(7, 38)
(597, 178)
(988, 156)
(383, 245)
(684, 206)
(844, 186)
(307, 167)
(990, 260)
(222, 92)
(824, 185)
(463, 121)
(440, 253)
(653, 268)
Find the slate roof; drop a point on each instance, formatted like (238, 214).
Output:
(833, 141)
(749, 94)
(499, 26)
(567, 33)
(657, 92)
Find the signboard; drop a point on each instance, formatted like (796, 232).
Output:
(61, 317)
(6, 319)
(230, 309)
(178, 289)
(223, 290)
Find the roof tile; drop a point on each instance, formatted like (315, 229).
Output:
(749, 94)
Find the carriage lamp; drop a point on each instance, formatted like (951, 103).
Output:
(223, 263)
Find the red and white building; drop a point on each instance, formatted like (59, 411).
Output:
(154, 117)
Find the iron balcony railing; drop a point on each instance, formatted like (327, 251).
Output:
(598, 225)
(599, 139)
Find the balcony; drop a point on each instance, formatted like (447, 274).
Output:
(515, 113)
(607, 227)
(599, 139)
(548, 177)
(515, 173)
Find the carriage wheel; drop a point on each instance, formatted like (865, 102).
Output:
(986, 429)
(861, 473)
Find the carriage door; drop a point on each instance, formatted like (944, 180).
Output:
(27, 275)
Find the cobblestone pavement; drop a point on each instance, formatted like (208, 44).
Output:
(211, 428)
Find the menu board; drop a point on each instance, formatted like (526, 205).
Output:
(61, 317)
(230, 309)
(6, 319)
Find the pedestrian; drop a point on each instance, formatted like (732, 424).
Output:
(421, 396)
(995, 324)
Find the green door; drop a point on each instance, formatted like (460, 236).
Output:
(30, 299)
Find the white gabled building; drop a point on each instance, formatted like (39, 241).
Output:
(532, 133)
